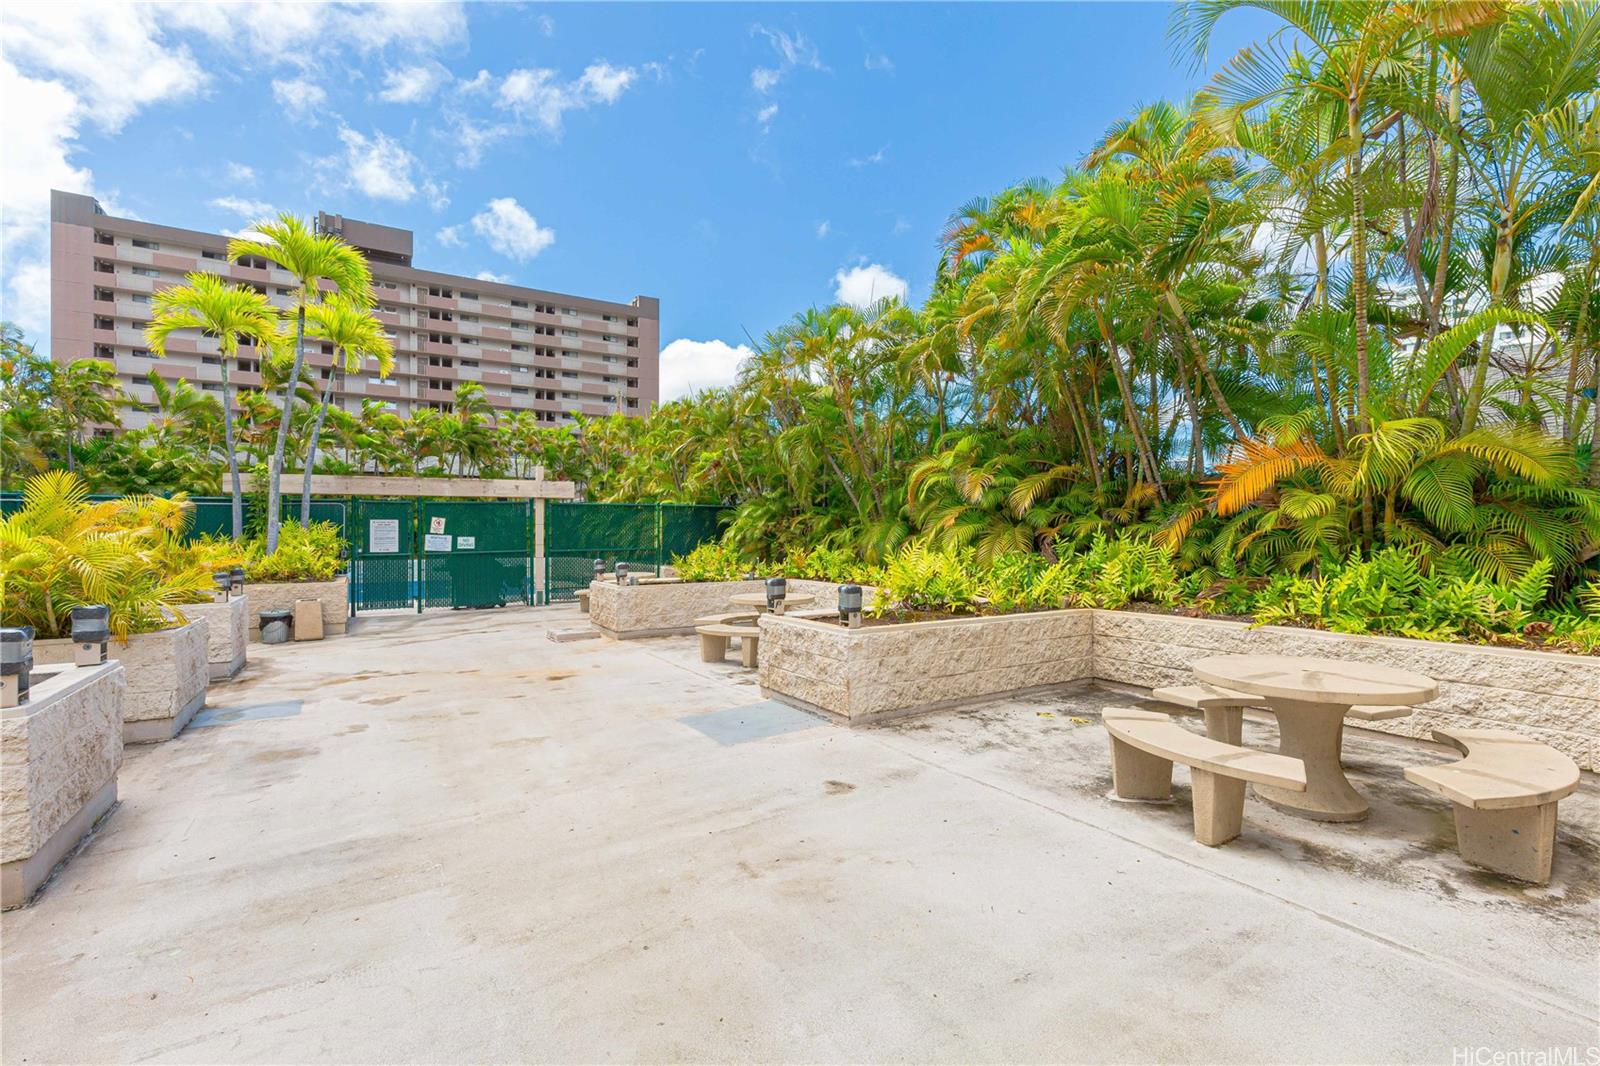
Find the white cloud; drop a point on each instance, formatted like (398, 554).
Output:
(511, 231)
(539, 95)
(489, 275)
(865, 284)
(251, 209)
(301, 97)
(870, 160)
(766, 115)
(793, 52)
(379, 166)
(450, 237)
(67, 66)
(879, 61)
(414, 84)
(822, 229)
(546, 24)
(688, 366)
(436, 193)
(900, 226)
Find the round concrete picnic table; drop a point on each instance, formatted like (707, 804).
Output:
(1310, 698)
(759, 599)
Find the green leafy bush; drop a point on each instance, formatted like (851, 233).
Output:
(711, 561)
(922, 578)
(303, 554)
(61, 551)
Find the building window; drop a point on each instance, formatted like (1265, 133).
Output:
(632, 363)
(140, 298)
(146, 272)
(633, 342)
(633, 321)
(469, 296)
(103, 266)
(204, 254)
(102, 322)
(104, 294)
(103, 238)
(633, 403)
(151, 245)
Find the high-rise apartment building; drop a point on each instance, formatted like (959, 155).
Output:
(531, 350)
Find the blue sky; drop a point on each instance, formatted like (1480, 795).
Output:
(739, 161)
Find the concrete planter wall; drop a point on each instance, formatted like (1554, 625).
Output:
(628, 611)
(167, 678)
(876, 672)
(334, 596)
(885, 670)
(229, 634)
(59, 756)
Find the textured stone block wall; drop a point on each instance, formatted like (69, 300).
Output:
(56, 752)
(881, 671)
(167, 677)
(334, 597)
(1552, 697)
(229, 633)
(625, 611)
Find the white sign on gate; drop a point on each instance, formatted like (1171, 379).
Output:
(435, 542)
(383, 536)
(436, 524)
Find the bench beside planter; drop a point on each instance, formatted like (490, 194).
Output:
(626, 612)
(858, 676)
(59, 756)
(229, 634)
(333, 596)
(1548, 696)
(167, 674)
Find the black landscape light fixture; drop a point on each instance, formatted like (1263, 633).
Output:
(236, 576)
(224, 582)
(850, 605)
(91, 629)
(622, 573)
(599, 569)
(16, 662)
(777, 590)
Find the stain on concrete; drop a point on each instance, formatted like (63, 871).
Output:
(837, 788)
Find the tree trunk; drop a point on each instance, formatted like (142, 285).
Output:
(275, 472)
(1147, 459)
(311, 451)
(233, 456)
(1358, 270)
(1497, 292)
(1204, 365)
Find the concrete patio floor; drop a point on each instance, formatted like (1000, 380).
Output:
(470, 843)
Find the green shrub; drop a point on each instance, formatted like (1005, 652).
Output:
(711, 561)
(921, 578)
(303, 554)
(61, 551)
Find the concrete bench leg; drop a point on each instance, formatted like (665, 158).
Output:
(1138, 775)
(1218, 807)
(1225, 724)
(747, 651)
(1518, 843)
(713, 649)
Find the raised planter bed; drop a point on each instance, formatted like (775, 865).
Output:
(883, 671)
(59, 756)
(334, 596)
(229, 634)
(625, 612)
(167, 676)
(886, 670)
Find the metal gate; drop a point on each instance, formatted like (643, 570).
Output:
(646, 536)
(383, 554)
(476, 553)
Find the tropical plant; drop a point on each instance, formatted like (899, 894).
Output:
(313, 258)
(348, 324)
(60, 551)
(228, 314)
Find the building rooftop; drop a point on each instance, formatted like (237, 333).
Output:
(446, 838)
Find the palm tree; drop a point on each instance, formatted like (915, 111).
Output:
(356, 335)
(312, 258)
(229, 313)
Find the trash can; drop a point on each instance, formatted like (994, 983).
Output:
(276, 626)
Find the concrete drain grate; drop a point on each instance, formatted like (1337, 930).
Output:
(756, 721)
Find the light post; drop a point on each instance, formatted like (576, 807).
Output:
(850, 605)
(91, 629)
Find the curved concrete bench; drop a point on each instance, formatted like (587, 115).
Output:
(1145, 744)
(1377, 714)
(583, 600)
(1505, 793)
(731, 618)
(714, 643)
(1222, 708)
